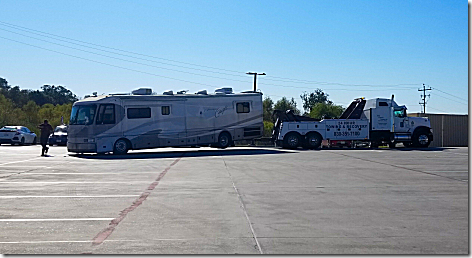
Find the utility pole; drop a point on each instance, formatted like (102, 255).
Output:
(255, 78)
(423, 97)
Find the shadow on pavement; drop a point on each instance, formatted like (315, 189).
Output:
(177, 154)
(394, 149)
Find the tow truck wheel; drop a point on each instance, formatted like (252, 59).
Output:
(120, 147)
(291, 141)
(313, 141)
(421, 139)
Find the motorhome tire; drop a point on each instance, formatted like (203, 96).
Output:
(224, 140)
(312, 141)
(421, 139)
(120, 147)
(291, 141)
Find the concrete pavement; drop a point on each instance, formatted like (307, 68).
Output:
(235, 201)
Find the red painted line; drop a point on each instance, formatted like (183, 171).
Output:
(106, 232)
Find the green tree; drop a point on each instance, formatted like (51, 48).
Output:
(6, 110)
(268, 109)
(58, 94)
(284, 104)
(30, 116)
(326, 110)
(268, 127)
(313, 98)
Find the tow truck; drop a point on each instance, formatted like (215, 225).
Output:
(372, 122)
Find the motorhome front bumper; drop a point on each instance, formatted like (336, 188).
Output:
(82, 147)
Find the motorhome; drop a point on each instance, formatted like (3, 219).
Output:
(120, 122)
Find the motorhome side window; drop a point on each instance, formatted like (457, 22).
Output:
(242, 107)
(106, 114)
(383, 104)
(134, 113)
(165, 110)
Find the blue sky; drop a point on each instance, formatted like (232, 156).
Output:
(349, 49)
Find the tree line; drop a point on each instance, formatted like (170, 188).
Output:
(30, 107)
(315, 105)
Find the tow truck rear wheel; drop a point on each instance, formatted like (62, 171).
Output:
(291, 141)
(312, 141)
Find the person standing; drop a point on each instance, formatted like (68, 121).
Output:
(46, 130)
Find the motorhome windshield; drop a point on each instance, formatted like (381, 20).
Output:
(82, 114)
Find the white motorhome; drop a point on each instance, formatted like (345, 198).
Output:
(120, 122)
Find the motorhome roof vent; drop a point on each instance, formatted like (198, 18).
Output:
(202, 92)
(225, 90)
(168, 92)
(142, 91)
(182, 92)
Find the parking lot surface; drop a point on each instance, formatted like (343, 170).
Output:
(243, 200)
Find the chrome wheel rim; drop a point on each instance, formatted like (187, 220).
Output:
(293, 140)
(423, 139)
(223, 140)
(120, 146)
(313, 141)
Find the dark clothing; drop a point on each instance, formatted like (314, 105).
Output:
(46, 130)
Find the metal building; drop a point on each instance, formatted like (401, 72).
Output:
(448, 130)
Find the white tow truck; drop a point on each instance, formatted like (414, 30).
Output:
(374, 122)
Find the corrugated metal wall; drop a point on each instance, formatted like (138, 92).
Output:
(448, 130)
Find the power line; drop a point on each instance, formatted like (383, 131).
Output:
(236, 73)
(167, 77)
(239, 73)
(455, 101)
(341, 84)
(125, 51)
(164, 68)
(98, 62)
(121, 59)
(449, 94)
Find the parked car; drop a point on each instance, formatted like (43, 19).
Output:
(17, 135)
(59, 136)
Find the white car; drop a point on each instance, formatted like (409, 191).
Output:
(17, 135)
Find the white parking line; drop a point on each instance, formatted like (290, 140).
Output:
(71, 219)
(89, 173)
(67, 196)
(31, 166)
(20, 161)
(62, 182)
(447, 171)
(65, 241)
